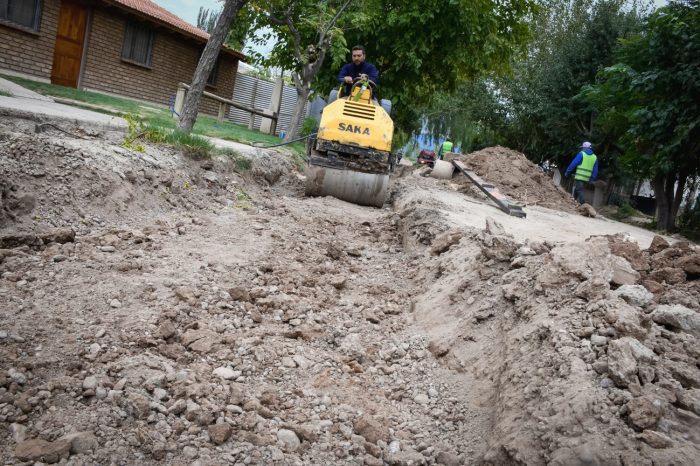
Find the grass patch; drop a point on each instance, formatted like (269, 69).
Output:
(155, 116)
(242, 163)
(299, 159)
(626, 211)
(191, 144)
(243, 200)
(113, 103)
(6, 93)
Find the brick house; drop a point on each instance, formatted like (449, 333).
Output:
(131, 48)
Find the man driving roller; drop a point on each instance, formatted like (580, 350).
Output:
(356, 69)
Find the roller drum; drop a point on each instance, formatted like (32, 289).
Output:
(370, 189)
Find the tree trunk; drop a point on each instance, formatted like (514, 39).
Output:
(298, 113)
(663, 208)
(667, 200)
(206, 64)
(678, 197)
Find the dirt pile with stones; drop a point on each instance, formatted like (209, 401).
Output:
(518, 178)
(194, 315)
(160, 310)
(51, 180)
(587, 351)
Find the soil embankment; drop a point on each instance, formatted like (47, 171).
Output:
(161, 310)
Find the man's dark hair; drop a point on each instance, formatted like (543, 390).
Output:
(358, 47)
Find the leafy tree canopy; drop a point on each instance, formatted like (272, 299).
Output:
(421, 47)
(650, 101)
(536, 108)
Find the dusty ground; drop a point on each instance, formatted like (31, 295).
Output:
(159, 310)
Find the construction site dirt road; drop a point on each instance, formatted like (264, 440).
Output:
(161, 310)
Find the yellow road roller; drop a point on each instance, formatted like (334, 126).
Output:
(350, 157)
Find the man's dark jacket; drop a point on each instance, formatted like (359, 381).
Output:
(355, 71)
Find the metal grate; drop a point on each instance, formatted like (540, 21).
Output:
(255, 92)
(355, 110)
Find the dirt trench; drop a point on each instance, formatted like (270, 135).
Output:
(160, 310)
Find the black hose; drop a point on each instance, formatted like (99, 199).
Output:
(255, 144)
(40, 128)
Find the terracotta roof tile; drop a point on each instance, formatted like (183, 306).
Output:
(150, 9)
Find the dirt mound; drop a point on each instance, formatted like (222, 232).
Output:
(518, 178)
(581, 363)
(53, 180)
(191, 314)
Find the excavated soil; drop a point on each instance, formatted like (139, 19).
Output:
(160, 310)
(518, 178)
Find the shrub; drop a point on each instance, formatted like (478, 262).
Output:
(689, 223)
(625, 211)
(309, 126)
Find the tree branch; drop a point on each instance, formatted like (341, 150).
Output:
(297, 80)
(275, 20)
(322, 37)
(316, 66)
(295, 33)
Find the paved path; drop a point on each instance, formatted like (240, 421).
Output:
(23, 106)
(18, 91)
(25, 103)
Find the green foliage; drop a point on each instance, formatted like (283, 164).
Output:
(651, 99)
(422, 47)
(192, 145)
(310, 19)
(243, 200)
(134, 132)
(625, 211)
(241, 27)
(536, 107)
(156, 118)
(419, 46)
(262, 73)
(650, 102)
(305, 32)
(5, 93)
(575, 39)
(309, 126)
(299, 160)
(690, 223)
(242, 162)
(155, 134)
(400, 140)
(472, 116)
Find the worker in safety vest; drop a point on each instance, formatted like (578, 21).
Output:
(586, 165)
(445, 148)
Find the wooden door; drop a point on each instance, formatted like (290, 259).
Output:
(68, 51)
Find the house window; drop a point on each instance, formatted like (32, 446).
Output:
(138, 43)
(214, 72)
(21, 12)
